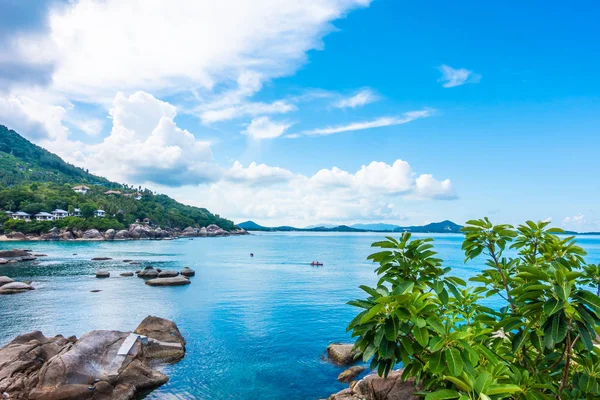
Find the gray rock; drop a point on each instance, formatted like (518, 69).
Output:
(3, 261)
(16, 236)
(4, 280)
(126, 274)
(67, 235)
(102, 273)
(148, 272)
(350, 374)
(13, 253)
(373, 387)
(110, 234)
(15, 287)
(176, 281)
(92, 234)
(341, 354)
(186, 271)
(101, 258)
(121, 235)
(26, 258)
(51, 236)
(214, 230)
(167, 274)
(189, 231)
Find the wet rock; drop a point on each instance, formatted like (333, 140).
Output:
(350, 374)
(95, 290)
(26, 258)
(92, 234)
(127, 261)
(15, 287)
(13, 253)
(40, 255)
(3, 261)
(158, 270)
(121, 235)
(110, 234)
(91, 368)
(373, 387)
(186, 271)
(126, 274)
(176, 281)
(341, 354)
(167, 274)
(101, 258)
(148, 272)
(4, 280)
(102, 273)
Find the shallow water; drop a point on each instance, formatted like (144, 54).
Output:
(256, 327)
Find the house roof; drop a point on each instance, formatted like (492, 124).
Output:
(77, 210)
(79, 187)
(112, 192)
(59, 211)
(22, 214)
(43, 214)
(100, 211)
(8, 212)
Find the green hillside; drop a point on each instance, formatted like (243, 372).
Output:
(32, 180)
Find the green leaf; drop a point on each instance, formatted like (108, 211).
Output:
(502, 389)
(454, 361)
(462, 385)
(589, 299)
(390, 329)
(402, 288)
(421, 335)
(370, 291)
(559, 328)
(552, 305)
(371, 313)
(482, 381)
(443, 394)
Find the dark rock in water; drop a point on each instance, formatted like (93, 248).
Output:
(102, 365)
(4, 280)
(127, 261)
(101, 258)
(159, 270)
(74, 254)
(126, 274)
(138, 271)
(40, 255)
(176, 281)
(26, 258)
(148, 272)
(14, 253)
(341, 354)
(102, 273)
(3, 261)
(373, 387)
(167, 274)
(350, 374)
(95, 290)
(186, 271)
(15, 287)
(135, 263)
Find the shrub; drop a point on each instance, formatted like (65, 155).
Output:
(538, 345)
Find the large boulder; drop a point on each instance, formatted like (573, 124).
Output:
(16, 236)
(168, 273)
(203, 231)
(110, 234)
(186, 271)
(66, 235)
(148, 272)
(341, 354)
(4, 280)
(51, 235)
(176, 281)
(126, 274)
(374, 387)
(15, 287)
(102, 365)
(102, 273)
(189, 231)
(214, 230)
(92, 234)
(13, 253)
(122, 235)
(350, 374)
(3, 261)
(135, 232)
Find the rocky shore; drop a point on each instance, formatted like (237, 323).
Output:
(135, 232)
(101, 365)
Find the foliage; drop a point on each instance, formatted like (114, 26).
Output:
(538, 345)
(82, 224)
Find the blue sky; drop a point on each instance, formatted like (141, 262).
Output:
(333, 111)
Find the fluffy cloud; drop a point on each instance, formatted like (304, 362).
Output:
(245, 109)
(257, 174)
(376, 123)
(264, 128)
(363, 97)
(452, 77)
(575, 220)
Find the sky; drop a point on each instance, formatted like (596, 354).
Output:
(320, 111)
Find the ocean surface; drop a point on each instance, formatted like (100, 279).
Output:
(256, 327)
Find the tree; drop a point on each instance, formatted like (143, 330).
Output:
(538, 345)
(87, 210)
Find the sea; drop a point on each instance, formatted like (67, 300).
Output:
(256, 327)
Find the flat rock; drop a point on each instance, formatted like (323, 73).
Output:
(4, 280)
(374, 387)
(13, 253)
(101, 258)
(102, 273)
(168, 274)
(15, 287)
(341, 354)
(171, 344)
(40, 255)
(126, 274)
(350, 374)
(148, 272)
(175, 281)
(186, 271)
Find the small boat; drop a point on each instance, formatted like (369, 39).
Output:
(316, 264)
(251, 254)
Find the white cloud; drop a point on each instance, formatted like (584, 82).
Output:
(376, 123)
(428, 187)
(576, 220)
(363, 97)
(245, 109)
(452, 77)
(257, 174)
(264, 128)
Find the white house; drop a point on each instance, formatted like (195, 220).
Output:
(44, 216)
(81, 189)
(60, 214)
(23, 216)
(76, 213)
(100, 213)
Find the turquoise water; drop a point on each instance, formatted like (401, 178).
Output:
(256, 327)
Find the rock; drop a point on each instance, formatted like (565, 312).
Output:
(186, 271)
(4, 280)
(102, 273)
(53, 230)
(148, 272)
(16, 236)
(350, 374)
(92, 234)
(127, 261)
(158, 270)
(121, 235)
(35, 367)
(214, 230)
(13, 253)
(167, 274)
(176, 281)
(67, 235)
(26, 258)
(95, 290)
(373, 387)
(101, 258)
(110, 234)
(40, 255)
(135, 263)
(341, 354)
(3, 261)
(15, 287)
(51, 236)
(189, 231)
(126, 274)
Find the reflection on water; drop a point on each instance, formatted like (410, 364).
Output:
(256, 327)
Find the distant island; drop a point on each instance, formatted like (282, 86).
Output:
(434, 227)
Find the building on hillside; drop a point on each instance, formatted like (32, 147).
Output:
(100, 213)
(9, 213)
(76, 213)
(22, 216)
(138, 196)
(44, 216)
(60, 214)
(81, 189)
(147, 221)
(109, 192)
